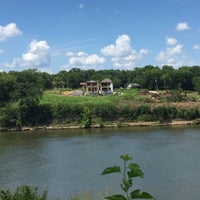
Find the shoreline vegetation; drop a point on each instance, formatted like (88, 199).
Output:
(123, 108)
(109, 125)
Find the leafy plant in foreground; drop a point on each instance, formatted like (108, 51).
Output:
(131, 170)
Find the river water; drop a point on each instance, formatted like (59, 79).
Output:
(69, 162)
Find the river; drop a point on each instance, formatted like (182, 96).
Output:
(69, 162)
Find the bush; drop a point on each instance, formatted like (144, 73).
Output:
(182, 113)
(192, 113)
(162, 114)
(175, 96)
(145, 117)
(106, 111)
(23, 192)
(142, 110)
(98, 121)
(44, 114)
(9, 117)
(86, 118)
(172, 111)
(63, 112)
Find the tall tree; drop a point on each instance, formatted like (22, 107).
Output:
(7, 84)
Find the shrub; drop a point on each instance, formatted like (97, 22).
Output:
(145, 117)
(175, 96)
(106, 111)
(161, 113)
(142, 110)
(86, 118)
(23, 192)
(98, 121)
(9, 117)
(192, 113)
(63, 112)
(44, 114)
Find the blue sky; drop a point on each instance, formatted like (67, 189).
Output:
(55, 35)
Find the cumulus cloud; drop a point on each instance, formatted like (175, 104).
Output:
(182, 26)
(38, 56)
(171, 41)
(84, 60)
(173, 54)
(122, 54)
(8, 31)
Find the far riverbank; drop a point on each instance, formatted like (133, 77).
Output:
(107, 125)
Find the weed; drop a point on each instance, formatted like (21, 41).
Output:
(130, 170)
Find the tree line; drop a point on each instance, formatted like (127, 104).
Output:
(149, 77)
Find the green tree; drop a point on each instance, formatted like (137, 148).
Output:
(167, 80)
(183, 77)
(27, 85)
(196, 83)
(45, 80)
(195, 70)
(28, 91)
(7, 86)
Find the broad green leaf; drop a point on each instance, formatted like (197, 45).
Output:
(127, 184)
(135, 171)
(136, 194)
(116, 197)
(126, 157)
(110, 170)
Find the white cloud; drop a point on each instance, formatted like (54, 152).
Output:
(182, 26)
(84, 60)
(173, 54)
(9, 31)
(171, 41)
(196, 47)
(38, 56)
(122, 54)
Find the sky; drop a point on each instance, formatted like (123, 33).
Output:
(56, 35)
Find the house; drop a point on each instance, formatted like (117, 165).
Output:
(95, 88)
(92, 87)
(133, 85)
(106, 87)
(83, 85)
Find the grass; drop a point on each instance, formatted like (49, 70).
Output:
(54, 97)
(121, 97)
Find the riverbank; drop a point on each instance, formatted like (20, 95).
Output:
(107, 125)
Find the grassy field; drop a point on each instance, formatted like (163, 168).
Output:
(133, 97)
(56, 97)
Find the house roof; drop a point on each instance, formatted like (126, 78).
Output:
(107, 80)
(134, 84)
(92, 81)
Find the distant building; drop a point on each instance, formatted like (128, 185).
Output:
(106, 87)
(83, 85)
(92, 87)
(133, 85)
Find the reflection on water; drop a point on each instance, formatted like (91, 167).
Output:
(69, 162)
